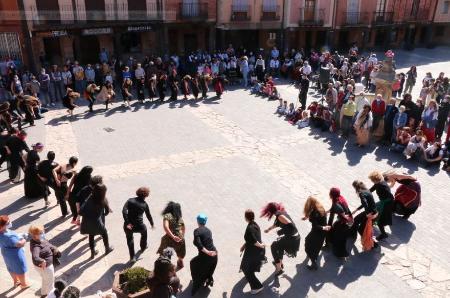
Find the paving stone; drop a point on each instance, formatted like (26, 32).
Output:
(416, 284)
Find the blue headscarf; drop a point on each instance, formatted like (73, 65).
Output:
(202, 218)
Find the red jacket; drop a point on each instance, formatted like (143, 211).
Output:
(378, 108)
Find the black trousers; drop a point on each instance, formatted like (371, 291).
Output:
(359, 224)
(253, 281)
(60, 193)
(104, 238)
(202, 270)
(91, 103)
(130, 239)
(73, 207)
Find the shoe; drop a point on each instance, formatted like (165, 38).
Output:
(93, 254)
(256, 291)
(108, 250)
(133, 260)
(382, 236)
(278, 273)
(47, 203)
(73, 222)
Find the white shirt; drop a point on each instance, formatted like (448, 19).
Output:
(306, 69)
(361, 102)
(66, 76)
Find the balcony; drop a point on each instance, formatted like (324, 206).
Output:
(355, 19)
(240, 13)
(383, 18)
(270, 13)
(421, 16)
(192, 11)
(309, 17)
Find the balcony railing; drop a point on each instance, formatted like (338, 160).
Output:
(53, 18)
(240, 13)
(270, 13)
(383, 18)
(310, 17)
(192, 11)
(422, 15)
(355, 19)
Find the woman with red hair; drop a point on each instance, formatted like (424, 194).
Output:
(340, 228)
(289, 241)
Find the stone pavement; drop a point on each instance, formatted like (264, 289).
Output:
(222, 157)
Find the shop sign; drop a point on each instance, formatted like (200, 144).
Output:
(58, 33)
(97, 31)
(139, 28)
(54, 33)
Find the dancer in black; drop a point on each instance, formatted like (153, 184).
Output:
(204, 264)
(340, 229)
(64, 173)
(289, 241)
(33, 183)
(254, 253)
(79, 182)
(132, 213)
(315, 212)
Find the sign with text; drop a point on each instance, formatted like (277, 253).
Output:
(96, 31)
(139, 28)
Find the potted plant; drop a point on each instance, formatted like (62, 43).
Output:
(131, 283)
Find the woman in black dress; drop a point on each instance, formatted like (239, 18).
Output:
(369, 206)
(341, 227)
(79, 181)
(385, 205)
(93, 211)
(254, 253)
(204, 264)
(315, 212)
(289, 241)
(34, 185)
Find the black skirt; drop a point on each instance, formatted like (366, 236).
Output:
(313, 243)
(338, 238)
(33, 186)
(202, 268)
(385, 216)
(253, 259)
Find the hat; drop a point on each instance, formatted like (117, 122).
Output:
(202, 218)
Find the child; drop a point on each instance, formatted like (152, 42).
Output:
(283, 108)
(304, 122)
(290, 112)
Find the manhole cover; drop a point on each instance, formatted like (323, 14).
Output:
(108, 129)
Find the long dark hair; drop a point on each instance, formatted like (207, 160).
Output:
(84, 176)
(99, 195)
(174, 209)
(270, 209)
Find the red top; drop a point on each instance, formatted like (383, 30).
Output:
(378, 107)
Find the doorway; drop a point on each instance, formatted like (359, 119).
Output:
(190, 43)
(52, 49)
(89, 49)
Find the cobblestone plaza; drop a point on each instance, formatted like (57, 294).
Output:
(221, 157)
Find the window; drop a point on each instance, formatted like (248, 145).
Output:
(269, 5)
(240, 5)
(381, 5)
(10, 46)
(445, 7)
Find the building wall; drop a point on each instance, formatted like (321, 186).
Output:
(441, 15)
(295, 7)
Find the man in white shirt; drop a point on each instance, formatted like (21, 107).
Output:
(306, 69)
(361, 101)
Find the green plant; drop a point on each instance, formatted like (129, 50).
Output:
(135, 279)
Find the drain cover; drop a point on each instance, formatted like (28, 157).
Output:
(108, 129)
